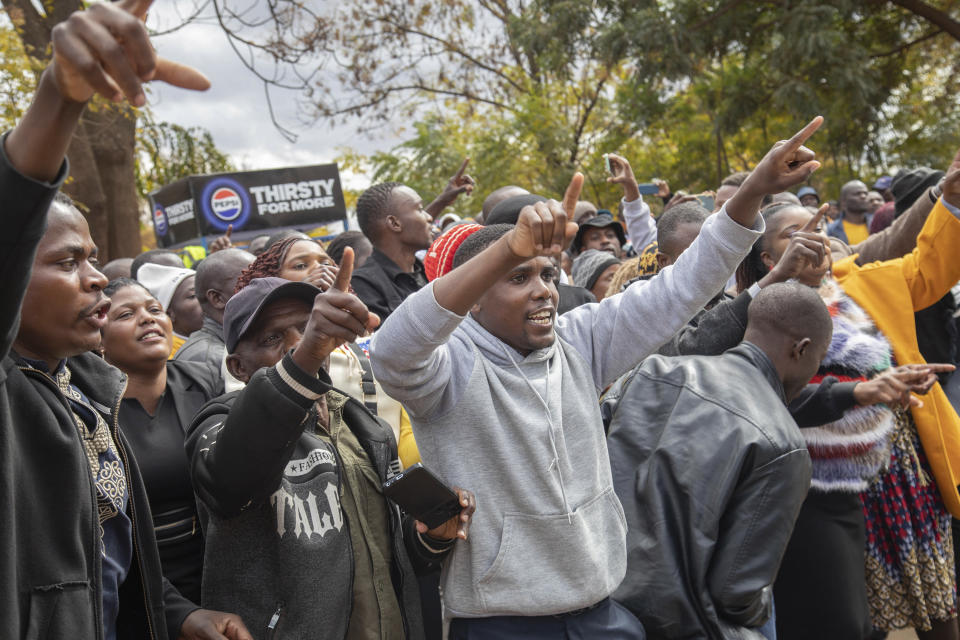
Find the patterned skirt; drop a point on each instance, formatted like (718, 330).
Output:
(909, 559)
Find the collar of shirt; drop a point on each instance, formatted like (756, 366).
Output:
(214, 327)
(393, 271)
(40, 365)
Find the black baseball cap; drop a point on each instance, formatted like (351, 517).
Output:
(244, 307)
(508, 211)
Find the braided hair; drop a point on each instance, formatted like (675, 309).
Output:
(372, 207)
(267, 264)
(752, 269)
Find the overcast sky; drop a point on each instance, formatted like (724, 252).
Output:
(235, 110)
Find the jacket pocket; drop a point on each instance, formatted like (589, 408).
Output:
(551, 563)
(63, 610)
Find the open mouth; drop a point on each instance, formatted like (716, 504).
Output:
(152, 335)
(542, 318)
(97, 316)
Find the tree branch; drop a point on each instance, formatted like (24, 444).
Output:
(904, 47)
(933, 15)
(586, 116)
(448, 46)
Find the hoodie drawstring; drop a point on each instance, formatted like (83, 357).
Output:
(555, 463)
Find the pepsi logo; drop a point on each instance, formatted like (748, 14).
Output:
(226, 204)
(160, 221)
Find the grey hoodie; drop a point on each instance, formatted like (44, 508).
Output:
(525, 433)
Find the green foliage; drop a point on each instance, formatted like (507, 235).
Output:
(688, 90)
(17, 78)
(167, 152)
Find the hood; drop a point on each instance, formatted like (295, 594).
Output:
(494, 349)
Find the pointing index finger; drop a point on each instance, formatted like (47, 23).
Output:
(815, 220)
(800, 137)
(572, 195)
(463, 167)
(342, 283)
(136, 7)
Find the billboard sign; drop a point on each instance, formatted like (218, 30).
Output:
(248, 200)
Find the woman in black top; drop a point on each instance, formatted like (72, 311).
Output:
(158, 405)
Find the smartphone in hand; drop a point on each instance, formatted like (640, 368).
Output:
(423, 495)
(648, 189)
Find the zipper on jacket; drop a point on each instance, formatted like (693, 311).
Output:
(274, 622)
(192, 520)
(97, 580)
(346, 522)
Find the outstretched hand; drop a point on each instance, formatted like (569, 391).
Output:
(106, 50)
(545, 228)
(337, 317)
(788, 163)
(622, 174)
(895, 386)
(459, 183)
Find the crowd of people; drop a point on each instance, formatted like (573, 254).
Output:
(733, 420)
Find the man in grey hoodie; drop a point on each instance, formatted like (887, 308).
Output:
(498, 389)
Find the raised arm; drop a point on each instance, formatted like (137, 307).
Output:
(238, 449)
(103, 50)
(932, 268)
(900, 237)
(88, 58)
(641, 227)
(459, 183)
(541, 230)
(641, 319)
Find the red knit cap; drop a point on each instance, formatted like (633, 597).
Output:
(439, 258)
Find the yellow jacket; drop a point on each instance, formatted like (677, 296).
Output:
(890, 292)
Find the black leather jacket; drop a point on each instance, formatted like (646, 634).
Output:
(711, 471)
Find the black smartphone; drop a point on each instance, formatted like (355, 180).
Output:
(423, 495)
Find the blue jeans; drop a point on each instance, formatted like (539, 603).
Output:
(608, 620)
(769, 630)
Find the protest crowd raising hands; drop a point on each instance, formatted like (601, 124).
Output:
(734, 420)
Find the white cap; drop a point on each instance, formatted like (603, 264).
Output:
(162, 281)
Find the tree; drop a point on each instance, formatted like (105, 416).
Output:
(689, 90)
(108, 180)
(101, 152)
(167, 152)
